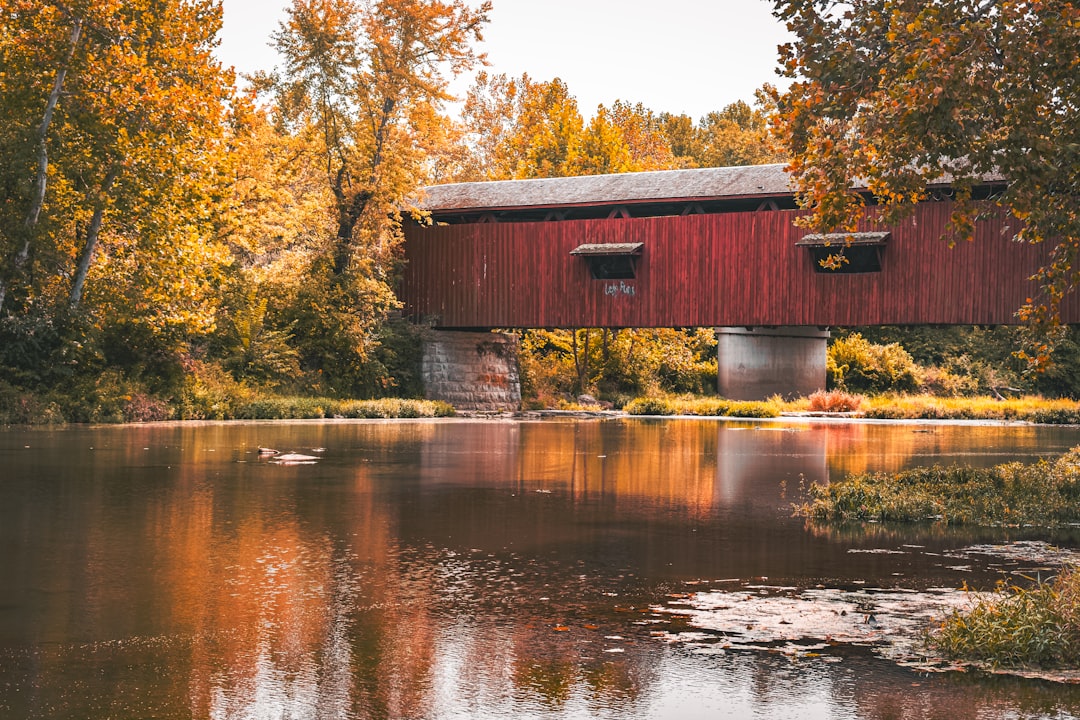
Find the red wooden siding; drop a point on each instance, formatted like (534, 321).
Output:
(713, 270)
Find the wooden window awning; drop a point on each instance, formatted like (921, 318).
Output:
(845, 253)
(610, 261)
(874, 239)
(608, 249)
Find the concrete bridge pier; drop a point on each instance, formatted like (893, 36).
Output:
(472, 370)
(756, 363)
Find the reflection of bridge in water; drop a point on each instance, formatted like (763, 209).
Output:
(713, 247)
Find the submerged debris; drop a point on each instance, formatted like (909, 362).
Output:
(294, 459)
(890, 620)
(894, 622)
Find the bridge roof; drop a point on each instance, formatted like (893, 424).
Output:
(698, 184)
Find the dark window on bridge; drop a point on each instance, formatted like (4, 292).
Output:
(611, 261)
(846, 253)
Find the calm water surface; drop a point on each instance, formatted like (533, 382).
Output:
(453, 569)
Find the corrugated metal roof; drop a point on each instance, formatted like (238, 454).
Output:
(657, 186)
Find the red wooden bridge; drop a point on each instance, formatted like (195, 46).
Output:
(697, 248)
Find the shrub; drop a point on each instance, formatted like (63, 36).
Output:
(112, 397)
(703, 406)
(19, 407)
(305, 408)
(1043, 493)
(835, 401)
(279, 408)
(209, 393)
(650, 406)
(855, 364)
(752, 409)
(1016, 626)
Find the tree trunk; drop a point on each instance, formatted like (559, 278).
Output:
(581, 364)
(40, 181)
(349, 212)
(86, 258)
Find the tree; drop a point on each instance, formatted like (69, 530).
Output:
(625, 138)
(354, 77)
(901, 94)
(360, 87)
(546, 137)
(113, 142)
(738, 135)
(520, 128)
(21, 51)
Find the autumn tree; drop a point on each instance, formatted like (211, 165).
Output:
(901, 94)
(736, 135)
(520, 128)
(113, 142)
(359, 85)
(623, 138)
(517, 128)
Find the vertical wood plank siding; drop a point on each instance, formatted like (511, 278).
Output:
(714, 270)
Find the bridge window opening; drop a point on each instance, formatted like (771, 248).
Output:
(611, 261)
(846, 253)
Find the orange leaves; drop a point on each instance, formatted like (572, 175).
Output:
(900, 95)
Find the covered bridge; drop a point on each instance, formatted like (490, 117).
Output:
(713, 247)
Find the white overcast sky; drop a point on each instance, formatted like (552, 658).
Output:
(678, 56)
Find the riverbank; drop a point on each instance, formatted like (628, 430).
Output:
(1034, 409)
(122, 404)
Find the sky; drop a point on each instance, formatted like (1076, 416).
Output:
(677, 56)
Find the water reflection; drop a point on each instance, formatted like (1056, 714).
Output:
(444, 569)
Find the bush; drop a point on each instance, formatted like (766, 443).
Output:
(279, 408)
(1043, 493)
(210, 393)
(304, 408)
(114, 398)
(649, 406)
(835, 401)
(19, 407)
(1015, 627)
(857, 365)
(703, 406)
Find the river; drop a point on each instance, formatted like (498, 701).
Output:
(549, 568)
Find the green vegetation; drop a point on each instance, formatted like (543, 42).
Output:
(1044, 493)
(927, 407)
(615, 365)
(114, 401)
(857, 365)
(1017, 627)
(704, 406)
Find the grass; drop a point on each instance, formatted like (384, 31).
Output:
(834, 401)
(928, 407)
(891, 407)
(1012, 494)
(1017, 627)
(306, 408)
(704, 406)
(26, 409)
